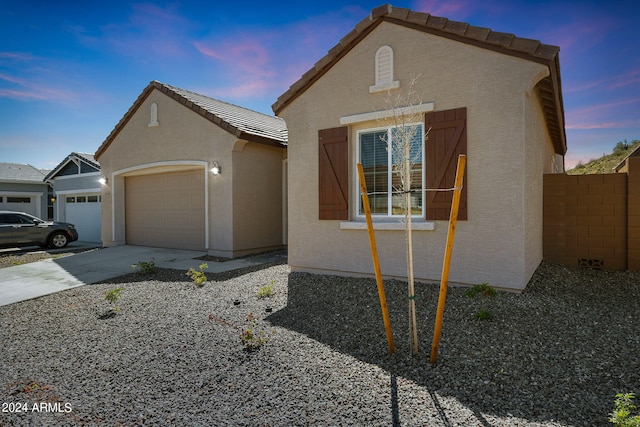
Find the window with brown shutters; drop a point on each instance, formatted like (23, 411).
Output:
(447, 139)
(333, 169)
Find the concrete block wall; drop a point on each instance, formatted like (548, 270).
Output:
(585, 220)
(633, 214)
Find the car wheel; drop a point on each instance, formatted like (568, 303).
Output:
(58, 240)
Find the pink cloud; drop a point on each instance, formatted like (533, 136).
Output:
(246, 53)
(597, 116)
(610, 82)
(29, 89)
(260, 61)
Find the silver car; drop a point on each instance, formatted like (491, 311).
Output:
(22, 229)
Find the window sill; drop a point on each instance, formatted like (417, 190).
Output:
(384, 86)
(387, 226)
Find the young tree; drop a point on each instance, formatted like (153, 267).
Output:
(405, 144)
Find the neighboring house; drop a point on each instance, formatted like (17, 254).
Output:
(22, 189)
(187, 171)
(77, 194)
(493, 96)
(623, 166)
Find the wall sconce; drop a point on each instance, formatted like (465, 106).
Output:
(53, 199)
(103, 180)
(215, 168)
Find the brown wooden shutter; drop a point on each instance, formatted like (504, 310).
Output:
(446, 140)
(333, 167)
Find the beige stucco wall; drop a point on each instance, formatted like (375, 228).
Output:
(257, 198)
(491, 246)
(183, 140)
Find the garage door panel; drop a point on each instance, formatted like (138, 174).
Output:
(166, 210)
(87, 218)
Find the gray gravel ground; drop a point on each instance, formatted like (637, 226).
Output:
(555, 355)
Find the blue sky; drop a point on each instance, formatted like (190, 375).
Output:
(69, 70)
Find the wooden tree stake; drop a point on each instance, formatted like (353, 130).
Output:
(376, 262)
(462, 160)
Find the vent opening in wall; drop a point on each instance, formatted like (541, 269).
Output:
(594, 263)
(154, 115)
(384, 70)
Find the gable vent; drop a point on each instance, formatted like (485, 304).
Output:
(384, 70)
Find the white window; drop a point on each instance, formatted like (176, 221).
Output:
(384, 183)
(384, 70)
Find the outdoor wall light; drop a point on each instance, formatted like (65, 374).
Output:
(53, 199)
(103, 180)
(215, 168)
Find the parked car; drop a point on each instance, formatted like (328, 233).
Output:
(22, 229)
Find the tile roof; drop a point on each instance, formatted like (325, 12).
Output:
(88, 158)
(17, 172)
(549, 88)
(239, 121)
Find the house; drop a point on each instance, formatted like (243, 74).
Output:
(22, 189)
(182, 170)
(493, 96)
(77, 194)
(623, 166)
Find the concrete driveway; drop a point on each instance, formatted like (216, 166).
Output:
(27, 281)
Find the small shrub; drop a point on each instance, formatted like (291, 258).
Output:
(486, 292)
(483, 314)
(622, 415)
(146, 267)
(265, 291)
(252, 338)
(481, 289)
(198, 276)
(113, 296)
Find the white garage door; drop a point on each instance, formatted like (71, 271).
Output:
(84, 211)
(166, 210)
(18, 203)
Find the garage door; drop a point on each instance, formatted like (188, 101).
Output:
(166, 210)
(84, 211)
(25, 204)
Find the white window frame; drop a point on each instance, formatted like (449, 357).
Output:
(360, 215)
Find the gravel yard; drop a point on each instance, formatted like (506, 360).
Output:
(555, 355)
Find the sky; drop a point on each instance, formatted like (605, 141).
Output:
(69, 70)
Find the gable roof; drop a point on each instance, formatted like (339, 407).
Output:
(19, 173)
(239, 121)
(533, 50)
(85, 157)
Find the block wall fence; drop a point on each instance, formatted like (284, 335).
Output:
(593, 220)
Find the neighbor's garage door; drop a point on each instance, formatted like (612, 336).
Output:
(166, 210)
(85, 212)
(25, 204)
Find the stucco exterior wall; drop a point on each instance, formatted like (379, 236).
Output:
(540, 159)
(257, 198)
(490, 245)
(183, 140)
